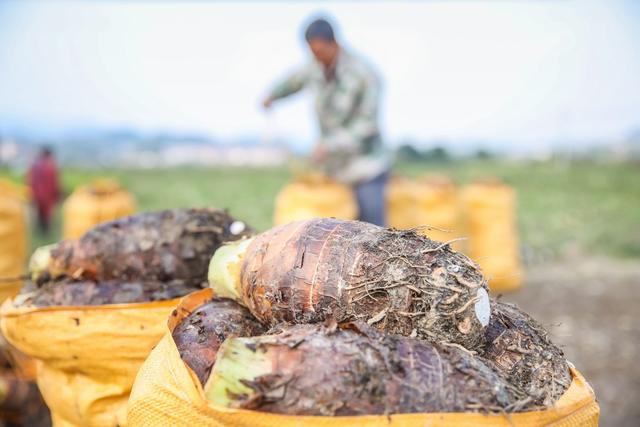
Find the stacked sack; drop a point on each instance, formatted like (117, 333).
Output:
(13, 236)
(89, 205)
(429, 203)
(331, 322)
(96, 305)
(314, 196)
(20, 401)
(483, 213)
(489, 208)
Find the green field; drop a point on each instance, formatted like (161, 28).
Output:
(594, 207)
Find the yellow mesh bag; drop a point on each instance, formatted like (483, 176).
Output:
(490, 214)
(87, 356)
(312, 196)
(101, 201)
(13, 236)
(429, 201)
(167, 393)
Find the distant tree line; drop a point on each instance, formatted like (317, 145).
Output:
(410, 153)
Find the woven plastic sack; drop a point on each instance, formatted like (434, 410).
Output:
(314, 196)
(13, 236)
(87, 356)
(168, 393)
(490, 215)
(428, 202)
(101, 201)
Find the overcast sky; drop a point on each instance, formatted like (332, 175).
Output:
(527, 72)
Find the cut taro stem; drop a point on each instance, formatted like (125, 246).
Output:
(239, 361)
(224, 269)
(40, 261)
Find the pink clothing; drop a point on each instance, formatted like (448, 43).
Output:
(43, 181)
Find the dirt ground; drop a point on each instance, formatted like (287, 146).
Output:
(591, 306)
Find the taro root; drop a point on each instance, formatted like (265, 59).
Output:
(21, 403)
(154, 246)
(147, 257)
(200, 334)
(519, 350)
(67, 292)
(353, 370)
(399, 281)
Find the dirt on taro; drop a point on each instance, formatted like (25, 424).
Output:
(590, 306)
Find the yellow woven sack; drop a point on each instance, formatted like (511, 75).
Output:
(401, 202)
(490, 214)
(429, 201)
(167, 393)
(87, 356)
(103, 200)
(313, 196)
(13, 236)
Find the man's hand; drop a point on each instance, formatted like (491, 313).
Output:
(320, 154)
(267, 102)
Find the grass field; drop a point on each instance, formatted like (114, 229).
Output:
(591, 206)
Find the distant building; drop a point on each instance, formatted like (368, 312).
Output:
(207, 155)
(9, 151)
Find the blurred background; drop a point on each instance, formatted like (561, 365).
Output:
(160, 102)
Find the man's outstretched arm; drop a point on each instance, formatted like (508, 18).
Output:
(290, 85)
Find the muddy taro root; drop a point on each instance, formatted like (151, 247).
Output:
(200, 334)
(518, 349)
(146, 257)
(353, 370)
(68, 292)
(163, 246)
(399, 281)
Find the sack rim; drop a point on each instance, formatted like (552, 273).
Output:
(8, 309)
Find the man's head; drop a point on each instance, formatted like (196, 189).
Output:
(322, 41)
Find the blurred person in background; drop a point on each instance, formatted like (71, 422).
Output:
(346, 91)
(43, 182)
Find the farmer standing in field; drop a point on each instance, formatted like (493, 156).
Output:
(346, 92)
(43, 182)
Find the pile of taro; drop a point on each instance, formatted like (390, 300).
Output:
(321, 317)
